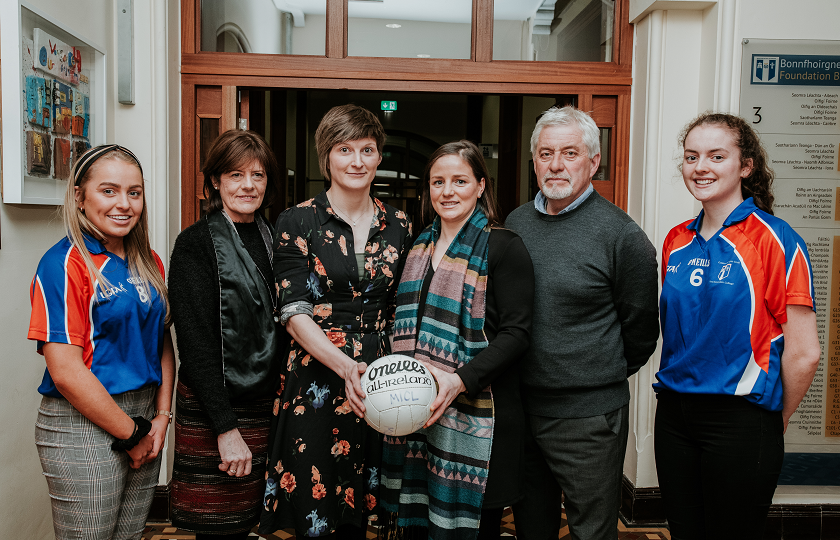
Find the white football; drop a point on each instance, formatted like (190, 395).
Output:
(399, 391)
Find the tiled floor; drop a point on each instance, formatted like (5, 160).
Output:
(165, 531)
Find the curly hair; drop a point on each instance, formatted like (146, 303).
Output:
(759, 183)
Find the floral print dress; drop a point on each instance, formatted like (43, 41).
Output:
(323, 460)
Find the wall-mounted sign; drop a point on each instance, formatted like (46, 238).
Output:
(489, 151)
(789, 92)
(388, 105)
(796, 69)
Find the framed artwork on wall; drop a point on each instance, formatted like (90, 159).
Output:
(53, 106)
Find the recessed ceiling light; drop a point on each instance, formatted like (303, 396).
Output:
(393, 25)
(424, 56)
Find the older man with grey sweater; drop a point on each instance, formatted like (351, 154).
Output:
(595, 324)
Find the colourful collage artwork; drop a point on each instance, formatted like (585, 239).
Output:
(81, 114)
(56, 57)
(63, 161)
(62, 108)
(55, 105)
(37, 153)
(79, 147)
(38, 100)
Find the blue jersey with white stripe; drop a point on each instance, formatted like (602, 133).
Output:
(120, 330)
(723, 303)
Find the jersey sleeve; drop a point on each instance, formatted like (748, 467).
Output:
(666, 252)
(676, 239)
(60, 300)
(159, 265)
(799, 278)
(789, 275)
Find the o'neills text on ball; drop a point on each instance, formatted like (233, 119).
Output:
(396, 367)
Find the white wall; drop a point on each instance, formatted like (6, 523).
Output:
(687, 59)
(27, 232)
(258, 20)
(511, 40)
(370, 37)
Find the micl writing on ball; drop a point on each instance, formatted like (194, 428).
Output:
(406, 396)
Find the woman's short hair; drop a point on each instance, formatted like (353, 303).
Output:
(232, 150)
(569, 116)
(759, 183)
(342, 124)
(471, 155)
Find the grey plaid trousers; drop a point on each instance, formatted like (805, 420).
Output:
(95, 495)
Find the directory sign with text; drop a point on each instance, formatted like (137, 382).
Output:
(789, 92)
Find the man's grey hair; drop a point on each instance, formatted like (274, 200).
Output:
(569, 116)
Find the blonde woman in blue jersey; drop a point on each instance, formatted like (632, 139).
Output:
(100, 316)
(740, 344)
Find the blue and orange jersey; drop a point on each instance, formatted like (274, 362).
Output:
(723, 304)
(119, 329)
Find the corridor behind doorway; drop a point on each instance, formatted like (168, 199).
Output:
(416, 124)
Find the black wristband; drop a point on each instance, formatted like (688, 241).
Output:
(142, 427)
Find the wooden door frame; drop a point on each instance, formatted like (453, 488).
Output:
(335, 70)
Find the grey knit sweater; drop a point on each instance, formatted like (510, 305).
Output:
(596, 316)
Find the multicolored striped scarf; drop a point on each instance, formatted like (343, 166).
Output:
(435, 478)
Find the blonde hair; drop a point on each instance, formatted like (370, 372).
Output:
(138, 252)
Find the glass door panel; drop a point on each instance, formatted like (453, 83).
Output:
(554, 30)
(410, 28)
(264, 26)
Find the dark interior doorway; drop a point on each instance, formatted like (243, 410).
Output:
(416, 124)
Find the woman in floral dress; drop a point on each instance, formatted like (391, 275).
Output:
(337, 262)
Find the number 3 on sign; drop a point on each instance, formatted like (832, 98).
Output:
(696, 277)
(757, 110)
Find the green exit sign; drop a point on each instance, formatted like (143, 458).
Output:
(388, 105)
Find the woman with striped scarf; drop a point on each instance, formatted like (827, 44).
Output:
(464, 309)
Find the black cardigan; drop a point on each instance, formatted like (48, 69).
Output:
(507, 325)
(194, 301)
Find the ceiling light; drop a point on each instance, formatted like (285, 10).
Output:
(393, 25)
(424, 56)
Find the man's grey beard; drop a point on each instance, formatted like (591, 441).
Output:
(556, 192)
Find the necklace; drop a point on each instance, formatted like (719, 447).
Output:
(347, 217)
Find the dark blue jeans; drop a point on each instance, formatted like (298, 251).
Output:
(718, 459)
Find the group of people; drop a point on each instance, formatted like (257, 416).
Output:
(531, 326)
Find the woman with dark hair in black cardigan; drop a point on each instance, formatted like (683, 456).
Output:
(224, 300)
